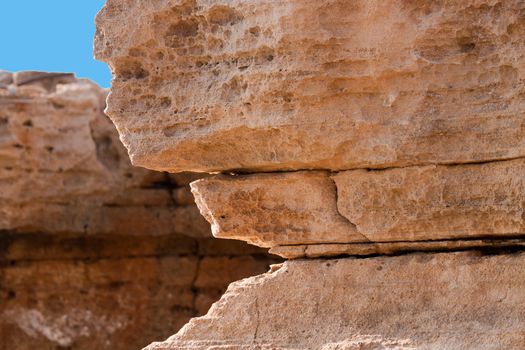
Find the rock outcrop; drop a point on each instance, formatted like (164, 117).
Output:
(411, 204)
(307, 84)
(94, 253)
(341, 129)
(419, 301)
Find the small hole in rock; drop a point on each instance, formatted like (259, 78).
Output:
(467, 47)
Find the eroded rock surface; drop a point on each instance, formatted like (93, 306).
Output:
(420, 301)
(62, 168)
(409, 204)
(94, 253)
(302, 84)
(111, 291)
(275, 209)
(388, 126)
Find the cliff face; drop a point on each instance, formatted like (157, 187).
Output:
(420, 301)
(342, 130)
(295, 84)
(90, 246)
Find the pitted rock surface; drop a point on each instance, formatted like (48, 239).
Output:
(381, 127)
(204, 85)
(411, 204)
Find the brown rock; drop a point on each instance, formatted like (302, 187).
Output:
(406, 204)
(274, 209)
(214, 270)
(95, 254)
(113, 291)
(435, 202)
(381, 105)
(6, 78)
(420, 301)
(62, 167)
(308, 84)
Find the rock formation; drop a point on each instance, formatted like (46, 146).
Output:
(94, 253)
(341, 129)
(420, 301)
(415, 204)
(308, 84)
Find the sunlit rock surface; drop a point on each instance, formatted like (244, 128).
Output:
(307, 84)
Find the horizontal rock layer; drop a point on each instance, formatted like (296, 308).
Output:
(204, 85)
(394, 248)
(394, 205)
(113, 292)
(420, 301)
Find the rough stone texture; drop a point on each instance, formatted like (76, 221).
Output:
(302, 84)
(112, 291)
(402, 204)
(95, 254)
(274, 209)
(421, 301)
(62, 168)
(390, 126)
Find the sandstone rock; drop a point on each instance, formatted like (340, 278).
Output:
(47, 80)
(308, 84)
(6, 78)
(406, 204)
(96, 254)
(107, 292)
(274, 209)
(420, 301)
(380, 105)
(63, 170)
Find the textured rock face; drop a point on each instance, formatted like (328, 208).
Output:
(342, 129)
(421, 301)
(295, 84)
(95, 254)
(63, 169)
(111, 291)
(405, 204)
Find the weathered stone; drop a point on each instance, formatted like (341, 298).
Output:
(302, 84)
(274, 209)
(6, 78)
(435, 202)
(95, 254)
(214, 270)
(420, 301)
(47, 80)
(106, 292)
(404, 204)
(406, 122)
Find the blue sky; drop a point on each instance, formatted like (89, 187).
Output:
(52, 35)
